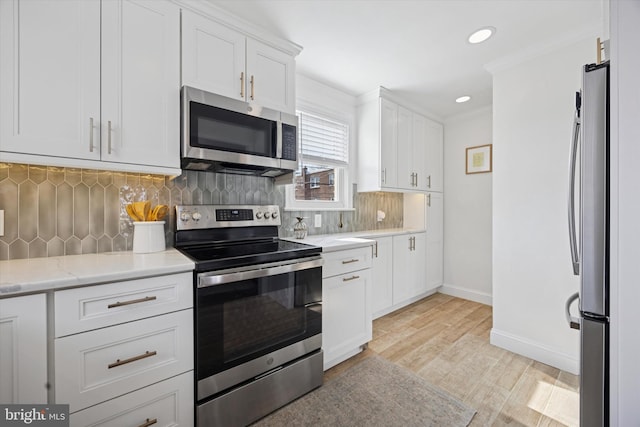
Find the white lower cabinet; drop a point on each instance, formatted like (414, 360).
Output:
(435, 238)
(409, 267)
(382, 277)
(23, 349)
(167, 403)
(124, 352)
(346, 304)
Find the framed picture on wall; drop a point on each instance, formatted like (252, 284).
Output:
(479, 159)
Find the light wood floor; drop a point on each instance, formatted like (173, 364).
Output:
(446, 341)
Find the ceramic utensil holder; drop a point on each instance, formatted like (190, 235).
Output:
(148, 236)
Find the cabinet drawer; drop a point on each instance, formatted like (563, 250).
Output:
(98, 365)
(169, 403)
(92, 307)
(341, 262)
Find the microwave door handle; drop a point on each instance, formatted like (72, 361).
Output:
(279, 139)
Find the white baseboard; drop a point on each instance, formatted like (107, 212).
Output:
(456, 291)
(535, 350)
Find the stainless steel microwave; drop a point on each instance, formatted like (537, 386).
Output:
(222, 134)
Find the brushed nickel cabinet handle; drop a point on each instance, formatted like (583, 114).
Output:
(91, 134)
(429, 200)
(429, 181)
(251, 87)
(416, 179)
(133, 301)
(376, 246)
(350, 261)
(149, 422)
(242, 85)
(119, 362)
(346, 279)
(384, 175)
(109, 137)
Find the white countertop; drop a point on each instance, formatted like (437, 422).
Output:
(23, 276)
(343, 241)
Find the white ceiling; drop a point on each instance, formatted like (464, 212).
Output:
(417, 48)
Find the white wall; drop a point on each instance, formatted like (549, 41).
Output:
(625, 212)
(467, 210)
(533, 106)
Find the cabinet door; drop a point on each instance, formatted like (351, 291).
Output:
(409, 267)
(346, 314)
(419, 152)
(213, 56)
(50, 77)
(402, 268)
(434, 155)
(141, 82)
(405, 142)
(389, 144)
(382, 276)
(435, 238)
(23, 349)
(270, 77)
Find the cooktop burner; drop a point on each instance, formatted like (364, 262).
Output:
(218, 237)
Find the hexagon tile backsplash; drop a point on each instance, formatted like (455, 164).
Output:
(51, 211)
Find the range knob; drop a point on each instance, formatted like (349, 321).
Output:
(266, 215)
(274, 215)
(184, 216)
(259, 215)
(196, 216)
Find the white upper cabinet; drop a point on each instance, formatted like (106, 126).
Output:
(50, 78)
(393, 147)
(434, 145)
(219, 59)
(91, 84)
(213, 56)
(141, 82)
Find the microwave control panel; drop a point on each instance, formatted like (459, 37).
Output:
(289, 146)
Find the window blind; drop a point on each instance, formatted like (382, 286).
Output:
(323, 141)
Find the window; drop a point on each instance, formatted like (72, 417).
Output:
(321, 181)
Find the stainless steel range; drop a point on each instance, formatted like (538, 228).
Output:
(258, 312)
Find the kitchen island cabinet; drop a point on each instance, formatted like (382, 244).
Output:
(23, 350)
(91, 84)
(346, 304)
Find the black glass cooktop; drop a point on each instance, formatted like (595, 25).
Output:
(210, 257)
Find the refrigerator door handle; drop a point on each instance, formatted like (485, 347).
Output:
(574, 322)
(572, 181)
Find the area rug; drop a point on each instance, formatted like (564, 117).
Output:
(374, 392)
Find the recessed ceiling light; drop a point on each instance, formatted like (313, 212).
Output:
(463, 99)
(481, 35)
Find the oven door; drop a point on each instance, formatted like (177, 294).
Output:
(253, 320)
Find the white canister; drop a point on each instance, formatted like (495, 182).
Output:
(148, 236)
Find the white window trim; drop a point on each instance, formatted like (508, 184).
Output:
(343, 178)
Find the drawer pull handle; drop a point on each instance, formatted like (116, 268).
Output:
(132, 359)
(149, 422)
(350, 261)
(346, 279)
(133, 301)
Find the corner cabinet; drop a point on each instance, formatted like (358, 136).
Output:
(219, 59)
(396, 147)
(23, 350)
(346, 304)
(91, 84)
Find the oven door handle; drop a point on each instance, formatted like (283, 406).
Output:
(220, 278)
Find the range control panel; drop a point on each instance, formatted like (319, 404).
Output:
(190, 217)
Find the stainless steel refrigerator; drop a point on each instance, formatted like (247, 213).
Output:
(590, 245)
